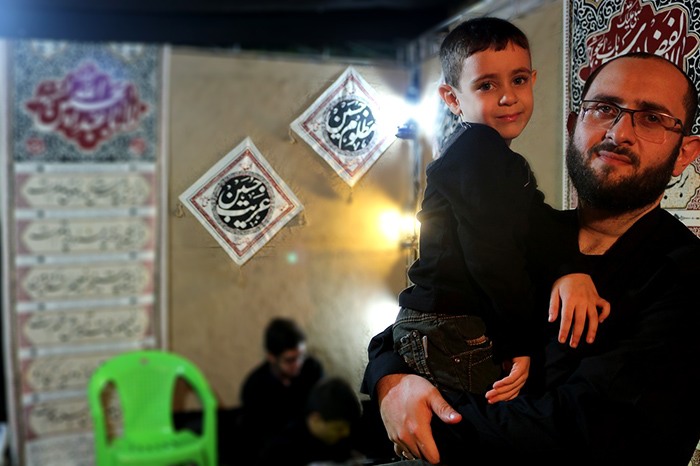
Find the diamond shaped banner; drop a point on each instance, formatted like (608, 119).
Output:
(345, 126)
(241, 202)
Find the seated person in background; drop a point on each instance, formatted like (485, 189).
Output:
(323, 436)
(275, 392)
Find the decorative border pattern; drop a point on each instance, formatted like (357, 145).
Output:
(346, 127)
(242, 202)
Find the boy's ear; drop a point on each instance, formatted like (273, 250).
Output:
(447, 94)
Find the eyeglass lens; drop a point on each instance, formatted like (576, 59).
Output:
(648, 125)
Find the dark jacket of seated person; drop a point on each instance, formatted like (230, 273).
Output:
(323, 436)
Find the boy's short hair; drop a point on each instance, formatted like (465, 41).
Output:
(334, 400)
(476, 35)
(282, 334)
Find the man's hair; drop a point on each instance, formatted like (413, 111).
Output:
(476, 35)
(282, 334)
(690, 99)
(334, 400)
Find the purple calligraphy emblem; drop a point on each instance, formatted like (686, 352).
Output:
(639, 28)
(86, 106)
(350, 125)
(242, 203)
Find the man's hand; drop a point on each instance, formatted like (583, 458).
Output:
(407, 403)
(509, 386)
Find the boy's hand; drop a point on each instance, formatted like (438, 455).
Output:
(579, 300)
(509, 387)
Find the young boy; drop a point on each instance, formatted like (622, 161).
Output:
(469, 317)
(323, 435)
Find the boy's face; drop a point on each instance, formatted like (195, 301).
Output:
(329, 432)
(495, 89)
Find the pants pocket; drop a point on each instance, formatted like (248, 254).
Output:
(452, 351)
(476, 369)
(412, 347)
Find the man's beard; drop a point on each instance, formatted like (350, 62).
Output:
(625, 195)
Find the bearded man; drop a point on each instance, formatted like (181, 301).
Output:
(631, 396)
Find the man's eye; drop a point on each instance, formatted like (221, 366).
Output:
(651, 118)
(605, 109)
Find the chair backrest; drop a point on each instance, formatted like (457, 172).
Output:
(145, 383)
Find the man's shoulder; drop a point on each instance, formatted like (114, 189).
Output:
(312, 367)
(680, 239)
(257, 375)
(668, 241)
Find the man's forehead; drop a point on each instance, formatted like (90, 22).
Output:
(643, 83)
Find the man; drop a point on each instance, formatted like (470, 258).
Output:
(276, 391)
(631, 396)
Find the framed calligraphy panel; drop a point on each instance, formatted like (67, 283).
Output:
(242, 202)
(82, 255)
(346, 127)
(598, 30)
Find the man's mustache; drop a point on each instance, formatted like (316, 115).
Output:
(614, 148)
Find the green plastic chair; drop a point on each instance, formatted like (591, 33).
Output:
(145, 383)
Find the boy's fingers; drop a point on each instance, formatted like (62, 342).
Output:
(604, 310)
(553, 305)
(564, 326)
(592, 326)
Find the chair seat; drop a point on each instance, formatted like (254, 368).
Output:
(153, 450)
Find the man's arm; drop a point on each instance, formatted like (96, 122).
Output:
(383, 360)
(406, 401)
(611, 401)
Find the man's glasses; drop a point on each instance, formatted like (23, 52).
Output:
(648, 125)
(292, 359)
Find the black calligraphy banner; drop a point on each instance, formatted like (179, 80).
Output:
(346, 126)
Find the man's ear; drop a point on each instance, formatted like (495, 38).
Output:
(447, 94)
(689, 151)
(571, 122)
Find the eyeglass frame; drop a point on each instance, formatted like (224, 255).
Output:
(623, 110)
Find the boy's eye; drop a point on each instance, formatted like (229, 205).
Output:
(485, 87)
(520, 80)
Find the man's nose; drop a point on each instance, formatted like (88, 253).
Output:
(622, 129)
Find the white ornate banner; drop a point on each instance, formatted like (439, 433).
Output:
(242, 202)
(346, 127)
(81, 182)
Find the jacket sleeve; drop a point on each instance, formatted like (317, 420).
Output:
(383, 360)
(491, 189)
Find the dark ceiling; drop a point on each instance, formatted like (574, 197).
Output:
(353, 28)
